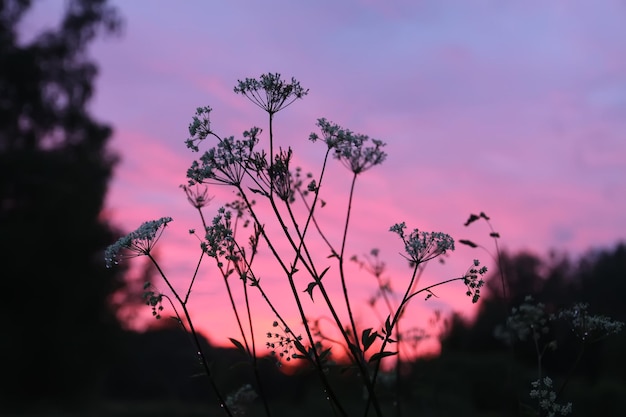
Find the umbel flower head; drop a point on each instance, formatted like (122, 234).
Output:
(137, 243)
(543, 391)
(270, 92)
(350, 148)
(196, 197)
(423, 246)
(589, 327)
(199, 128)
(226, 162)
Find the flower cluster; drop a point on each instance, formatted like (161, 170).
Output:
(219, 240)
(589, 327)
(331, 132)
(199, 128)
(239, 401)
(423, 246)
(226, 163)
(281, 177)
(473, 280)
(283, 345)
(270, 92)
(350, 147)
(137, 243)
(543, 392)
(196, 197)
(529, 319)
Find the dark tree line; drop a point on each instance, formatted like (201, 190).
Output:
(597, 278)
(59, 328)
(596, 381)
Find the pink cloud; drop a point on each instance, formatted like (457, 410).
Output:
(516, 111)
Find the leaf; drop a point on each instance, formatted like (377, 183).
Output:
(378, 356)
(472, 219)
(324, 354)
(257, 191)
(238, 345)
(388, 327)
(494, 234)
(483, 215)
(468, 243)
(367, 338)
(309, 289)
(301, 349)
(324, 272)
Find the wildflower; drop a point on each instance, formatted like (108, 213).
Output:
(280, 176)
(423, 246)
(239, 401)
(358, 158)
(529, 319)
(271, 93)
(197, 198)
(350, 147)
(473, 280)
(587, 326)
(199, 128)
(332, 133)
(225, 163)
(138, 243)
(542, 391)
(219, 240)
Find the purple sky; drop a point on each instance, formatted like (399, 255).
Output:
(517, 109)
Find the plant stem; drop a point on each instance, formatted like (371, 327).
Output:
(196, 340)
(342, 271)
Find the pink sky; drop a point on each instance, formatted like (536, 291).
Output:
(517, 109)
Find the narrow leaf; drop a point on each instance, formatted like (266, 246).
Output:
(324, 354)
(238, 345)
(378, 356)
(468, 243)
(367, 338)
(388, 328)
(301, 349)
(324, 272)
(309, 289)
(257, 191)
(472, 219)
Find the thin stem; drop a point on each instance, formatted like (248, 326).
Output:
(193, 278)
(196, 340)
(295, 294)
(396, 317)
(342, 271)
(405, 300)
(571, 371)
(354, 348)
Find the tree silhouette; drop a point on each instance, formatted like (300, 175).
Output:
(54, 172)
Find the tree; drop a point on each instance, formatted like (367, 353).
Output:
(54, 171)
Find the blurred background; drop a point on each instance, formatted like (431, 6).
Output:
(516, 110)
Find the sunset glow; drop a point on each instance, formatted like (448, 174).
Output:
(516, 109)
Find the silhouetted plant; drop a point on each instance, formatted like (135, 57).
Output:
(531, 321)
(269, 175)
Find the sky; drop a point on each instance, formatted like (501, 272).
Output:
(517, 109)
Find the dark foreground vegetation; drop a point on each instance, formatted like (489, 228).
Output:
(65, 353)
(155, 373)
